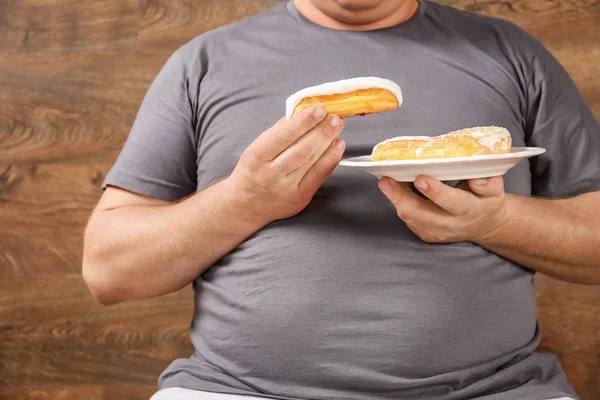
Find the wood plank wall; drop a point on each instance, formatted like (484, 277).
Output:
(72, 75)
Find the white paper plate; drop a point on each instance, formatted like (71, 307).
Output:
(445, 169)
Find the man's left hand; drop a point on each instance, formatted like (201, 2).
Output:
(467, 212)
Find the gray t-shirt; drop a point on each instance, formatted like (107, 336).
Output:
(343, 301)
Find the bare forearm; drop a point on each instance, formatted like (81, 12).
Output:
(143, 251)
(559, 238)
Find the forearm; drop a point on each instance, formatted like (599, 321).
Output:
(140, 252)
(559, 238)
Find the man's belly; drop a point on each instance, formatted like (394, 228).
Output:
(338, 299)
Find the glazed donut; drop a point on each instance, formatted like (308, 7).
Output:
(348, 97)
(479, 140)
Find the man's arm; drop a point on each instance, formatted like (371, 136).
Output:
(137, 247)
(560, 238)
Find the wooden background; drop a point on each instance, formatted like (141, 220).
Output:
(72, 75)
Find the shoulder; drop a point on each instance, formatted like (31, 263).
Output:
(491, 34)
(190, 62)
(216, 39)
(473, 20)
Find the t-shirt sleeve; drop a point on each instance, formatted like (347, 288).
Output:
(559, 120)
(159, 155)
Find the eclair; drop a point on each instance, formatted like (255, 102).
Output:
(348, 97)
(475, 141)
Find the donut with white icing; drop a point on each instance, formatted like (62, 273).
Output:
(480, 140)
(348, 97)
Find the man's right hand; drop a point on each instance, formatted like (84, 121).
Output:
(281, 170)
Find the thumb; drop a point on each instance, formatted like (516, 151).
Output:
(487, 187)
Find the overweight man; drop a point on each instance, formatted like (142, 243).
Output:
(316, 281)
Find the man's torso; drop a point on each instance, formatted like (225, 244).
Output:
(342, 300)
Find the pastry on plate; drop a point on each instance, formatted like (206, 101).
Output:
(348, 97)
(475, 141)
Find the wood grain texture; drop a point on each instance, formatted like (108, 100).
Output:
(54, 334)
(44, 208)
(83, 392)
(72, 76)
(64, 106)
(71, 25)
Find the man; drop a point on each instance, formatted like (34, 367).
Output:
(309, 282)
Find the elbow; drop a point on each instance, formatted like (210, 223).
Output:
(100, 285)
(98, 276)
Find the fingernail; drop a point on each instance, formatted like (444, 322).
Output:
(334, 120)
(339, 143)
(479, 182)
(319, 111)
(384, 185)
(421, 184)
